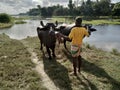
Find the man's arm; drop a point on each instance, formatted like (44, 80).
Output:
(65, 37)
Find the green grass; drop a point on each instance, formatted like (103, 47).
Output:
(13, 20)
(100, 69)
(20, 22)
(16, 69)
(5, 25)
(103, 21)
(115, 52)
(94, 22)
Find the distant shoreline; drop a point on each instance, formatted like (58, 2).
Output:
(69, 21)
(8, 25)
(5, 25)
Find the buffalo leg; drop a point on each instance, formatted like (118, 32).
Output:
(53, 51)
(65, 44)
(41, 48)
(49, 53)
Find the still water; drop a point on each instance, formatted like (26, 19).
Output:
(21, 31)
(106, 37)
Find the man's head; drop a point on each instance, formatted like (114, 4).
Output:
(78, 21)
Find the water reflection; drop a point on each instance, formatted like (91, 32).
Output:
(21, 31)
(106, 36)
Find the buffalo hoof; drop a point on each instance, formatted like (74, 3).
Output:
(41, 48)
(50, 58)
(54, 55)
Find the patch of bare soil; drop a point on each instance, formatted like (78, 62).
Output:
(47, 82)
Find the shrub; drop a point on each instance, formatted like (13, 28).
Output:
(5, 18)
(87, 45)
(115, 51)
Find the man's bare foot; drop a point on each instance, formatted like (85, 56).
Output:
(79, 71)
(73, 74)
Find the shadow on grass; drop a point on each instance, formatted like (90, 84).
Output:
(97, 71)
(68, 54)
(92, 86)
(100, 72)
(57, 72)
(88, 85)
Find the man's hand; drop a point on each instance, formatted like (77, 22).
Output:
(65, 37)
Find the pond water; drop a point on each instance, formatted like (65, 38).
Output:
(21, 31)
(106, 37)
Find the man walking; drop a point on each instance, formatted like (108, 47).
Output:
(76, 36)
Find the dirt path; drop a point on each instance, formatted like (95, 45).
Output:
(47, 82)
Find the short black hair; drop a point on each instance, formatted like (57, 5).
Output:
(78, 20)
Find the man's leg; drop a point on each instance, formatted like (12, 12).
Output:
(79, 63)
(75, 65)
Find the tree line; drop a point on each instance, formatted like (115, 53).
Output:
(86, 8)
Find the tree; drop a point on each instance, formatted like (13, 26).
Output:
(70, 6)
(89, 8)
(50, 11)
(39, 9)
(97, 9)
(105, 7)
(86, 8)
(44, 12)
(5, 18)
(116, 9)
(33, 11)
(102, 8)
(82, 8)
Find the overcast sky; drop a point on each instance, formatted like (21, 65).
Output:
(21, 6)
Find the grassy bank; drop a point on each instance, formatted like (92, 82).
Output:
(13, 21)
(20, 22)
(8, 25)
(92, 21)
(103, 21)
(100, 69)
(5, 25)
(68, 20)
(16, 69)
(6, 20)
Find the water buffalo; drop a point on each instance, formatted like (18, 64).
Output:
(66, 29)
(46, 35)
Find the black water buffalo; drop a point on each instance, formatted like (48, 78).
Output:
(65, 30)
(46, 35)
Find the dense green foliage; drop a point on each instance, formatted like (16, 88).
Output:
(116, 9)
(5, 18)
(86, 8)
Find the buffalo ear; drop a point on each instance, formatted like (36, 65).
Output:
(41, 22)
(56, 23)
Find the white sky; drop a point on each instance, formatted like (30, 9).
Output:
(21, 6)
